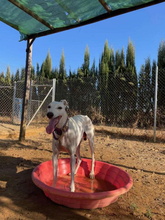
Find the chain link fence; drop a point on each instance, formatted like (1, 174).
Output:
(120, 103)
(11, 99)
(6, 101)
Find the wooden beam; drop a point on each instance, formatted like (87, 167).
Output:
(105, 5)
(26, 90)
(32, 14)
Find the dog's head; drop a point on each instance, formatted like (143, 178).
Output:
(55, 111)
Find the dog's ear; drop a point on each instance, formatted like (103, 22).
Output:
(65, 103)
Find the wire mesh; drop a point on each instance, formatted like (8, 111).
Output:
(11, 100)
(119, 103)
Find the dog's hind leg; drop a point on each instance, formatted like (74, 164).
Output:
(78, 159)
(55, 166)
(89, 130)
(72, 166)
(91, 144)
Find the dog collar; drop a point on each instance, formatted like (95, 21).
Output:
(59, 131)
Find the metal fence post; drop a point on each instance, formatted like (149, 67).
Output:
(13, 106)
(54, 90)
(155, 103)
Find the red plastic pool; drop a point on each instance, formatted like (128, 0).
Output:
(110, 182)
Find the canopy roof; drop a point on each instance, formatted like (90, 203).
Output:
(35, 18)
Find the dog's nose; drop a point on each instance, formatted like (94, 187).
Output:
(50, 115)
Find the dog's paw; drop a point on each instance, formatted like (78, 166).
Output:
(72, 188)
(69, 174)
(92, 176)
(53, 184)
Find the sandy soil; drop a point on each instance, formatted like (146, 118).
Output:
(131, 150)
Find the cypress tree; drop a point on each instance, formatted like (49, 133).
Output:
(8, 77)
(38, 72)
(55, 74)
(85, 66)
(145, 95)
(153, 82)
(131, 84)
(161, 75)
(62, 70)
(48, 66)
(145, 87)
(119, 87)
(33, 75)
(22, 77)
(161, 55)
(104, 78)
(62, 92)
(2, 77)
(86, 84)
(17, 75)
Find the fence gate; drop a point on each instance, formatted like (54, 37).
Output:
(40, 96)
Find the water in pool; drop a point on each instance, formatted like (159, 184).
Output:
(83, 184)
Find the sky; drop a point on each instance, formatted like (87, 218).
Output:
(145, 28)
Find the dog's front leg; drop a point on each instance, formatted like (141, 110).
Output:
(91, 143)
(72, 166)
(55, 161)
(55, 166)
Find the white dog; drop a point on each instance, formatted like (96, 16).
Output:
(67, 136)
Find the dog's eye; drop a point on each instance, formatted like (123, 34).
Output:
(49, 106)
(59, 107)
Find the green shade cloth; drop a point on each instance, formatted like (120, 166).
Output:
(35, 18)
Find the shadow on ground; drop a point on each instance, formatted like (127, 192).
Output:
(129, 136)
(26, 201)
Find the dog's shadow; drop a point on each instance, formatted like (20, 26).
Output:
(19, 189)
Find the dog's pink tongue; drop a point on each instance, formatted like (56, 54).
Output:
(50, 128)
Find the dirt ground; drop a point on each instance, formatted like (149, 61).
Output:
(131, 149)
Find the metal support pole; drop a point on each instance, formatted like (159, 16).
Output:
(54, 90)
(26, 89)
(13, 106)
(155, 103)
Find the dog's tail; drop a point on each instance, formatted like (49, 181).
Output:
(85, 136)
